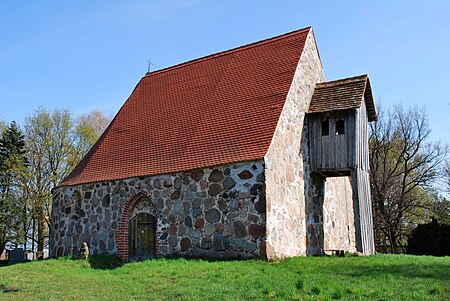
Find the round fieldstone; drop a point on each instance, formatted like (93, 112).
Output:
(199, 223)
(181, 229)
(111, 243)
(219, 228)
(185, 244)
(212, 215)
(220, 242)
(177, 208)
(168, 182)
(222, 205)
(239, 229)
(186, 207)
(235, 204)
(175, 195)
(102, 246)
(216, 176)
(253, 218)
(163, 250)
(188, 222)
(214, 189)
(157, 183)
(172, 241)
(106, 200)
(197, 212)
(160, 203)
(197, 175)
(229, 183)
(256, 230)
(227, 171)
(209, 229)
(172, 229)
(95, 201)
(206, 243)
(196, 203)
(208, 202)
(245, 174)
(78, 228)
(177, 183)
(88, 195)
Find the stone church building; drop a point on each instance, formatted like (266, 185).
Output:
(244, 153)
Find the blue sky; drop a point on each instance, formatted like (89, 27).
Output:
(87, 55)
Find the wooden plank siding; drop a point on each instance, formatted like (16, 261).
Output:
(361, 185)
(332, 152)
(346, 155)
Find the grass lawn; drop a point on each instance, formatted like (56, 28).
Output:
(381, 277)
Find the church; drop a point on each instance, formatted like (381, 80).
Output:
(244, 153)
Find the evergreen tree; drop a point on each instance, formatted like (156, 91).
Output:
(12, 169)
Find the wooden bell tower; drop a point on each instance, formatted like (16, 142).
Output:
(338, 116)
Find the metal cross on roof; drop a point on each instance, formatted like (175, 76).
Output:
(149, 64)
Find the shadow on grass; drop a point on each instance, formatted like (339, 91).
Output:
(105, 262)
(110, 262)
(100, 262)
(4, 289)
(438, 272)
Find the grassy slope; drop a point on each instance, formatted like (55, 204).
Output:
(382, 277)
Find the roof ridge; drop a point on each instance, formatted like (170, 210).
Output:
(344, 81)
(229, 51)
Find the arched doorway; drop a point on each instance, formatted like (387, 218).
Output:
(142, 237)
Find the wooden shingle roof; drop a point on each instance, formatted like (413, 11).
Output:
(343, 94)
(215, 110)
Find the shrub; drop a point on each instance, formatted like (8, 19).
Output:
(430, 239)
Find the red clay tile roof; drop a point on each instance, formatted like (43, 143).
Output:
(215, 110)
(343, 94)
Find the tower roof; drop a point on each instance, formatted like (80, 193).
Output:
(343, 94)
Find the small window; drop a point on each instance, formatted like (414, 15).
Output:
(326, 127)
(340, 127)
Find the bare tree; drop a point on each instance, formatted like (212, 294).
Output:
(404, 165)
(447, 177)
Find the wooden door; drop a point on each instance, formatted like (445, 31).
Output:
(142, 237)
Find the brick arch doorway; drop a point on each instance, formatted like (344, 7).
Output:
(142, 237)
(139, 215)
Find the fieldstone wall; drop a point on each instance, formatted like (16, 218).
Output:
(338, 217)
(218, 212)
(314, 206)
(301, 208)
(288, 180)
(330, 220)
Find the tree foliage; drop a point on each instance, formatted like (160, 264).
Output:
(33, 163)
(12, 172)
(403, 167)
(56, 142)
